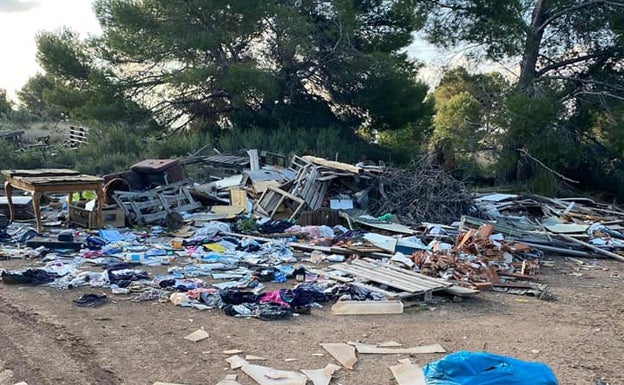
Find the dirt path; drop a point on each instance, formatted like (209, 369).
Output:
(46, 352)
(46, 339)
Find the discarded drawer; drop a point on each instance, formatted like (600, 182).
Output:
(114, 217)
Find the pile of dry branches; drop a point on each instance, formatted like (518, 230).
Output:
(422, 192)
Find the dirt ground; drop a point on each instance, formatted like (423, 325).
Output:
(46, 339)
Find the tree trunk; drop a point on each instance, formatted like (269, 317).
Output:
(535, 33)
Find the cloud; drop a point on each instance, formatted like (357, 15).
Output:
(10, 6)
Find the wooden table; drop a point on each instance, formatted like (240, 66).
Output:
(39, 181)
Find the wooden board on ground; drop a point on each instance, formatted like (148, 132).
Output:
(408, 374)
(392, 276)
(343, 353)
(374, 349)
(367, 307)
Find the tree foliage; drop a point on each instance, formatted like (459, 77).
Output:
(554, 39)
(75, 86)
(214, 64)
(466, 128)
(570, 56)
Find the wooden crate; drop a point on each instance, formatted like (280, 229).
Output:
(112, 216)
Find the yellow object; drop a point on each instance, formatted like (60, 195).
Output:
(86, 195)
(215, 247)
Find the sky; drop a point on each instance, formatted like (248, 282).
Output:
(22, 20)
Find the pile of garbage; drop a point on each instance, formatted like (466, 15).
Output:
(272, 241)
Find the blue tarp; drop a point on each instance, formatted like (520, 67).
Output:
(481, 368)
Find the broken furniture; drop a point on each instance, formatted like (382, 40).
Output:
(144, 175)
(309, 188)
(40, 181)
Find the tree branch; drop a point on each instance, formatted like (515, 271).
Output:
(525, 153)
(563, 63)
(576, 7)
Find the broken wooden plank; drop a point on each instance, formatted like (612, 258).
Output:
(332, 164)
(367, 307)
(421, 277)
(374, 349)
(343, 353)
(321, 376)
(408, 374)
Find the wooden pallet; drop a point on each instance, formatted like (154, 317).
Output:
(78, 135)
(275, 199)
(153, 206)
(406, 282)
(309, 187)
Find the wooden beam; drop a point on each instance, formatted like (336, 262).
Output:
(367, 307)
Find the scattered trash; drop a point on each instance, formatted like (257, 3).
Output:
(363, 238)
(198, 335)
(91, 300)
